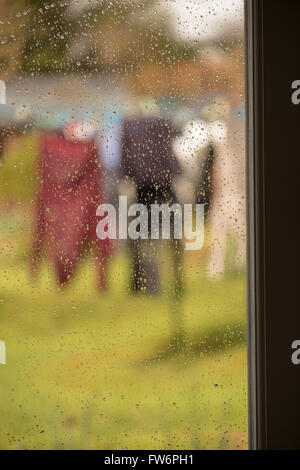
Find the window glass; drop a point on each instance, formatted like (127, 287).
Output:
(122, 225)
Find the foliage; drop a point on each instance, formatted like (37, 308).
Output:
(39, 37)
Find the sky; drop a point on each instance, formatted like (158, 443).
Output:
(205, 19)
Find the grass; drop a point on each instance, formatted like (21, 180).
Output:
(91, 371)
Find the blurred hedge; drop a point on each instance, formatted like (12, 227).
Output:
(17, 170)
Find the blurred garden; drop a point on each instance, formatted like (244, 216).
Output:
(91, 370)
(86, 370)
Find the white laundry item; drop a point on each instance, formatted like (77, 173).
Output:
(195, 137)
(227, 215)
(2, 92)
(228, 211)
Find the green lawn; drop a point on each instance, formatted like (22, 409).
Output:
(91, 371)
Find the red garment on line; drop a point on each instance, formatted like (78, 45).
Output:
(69, 193)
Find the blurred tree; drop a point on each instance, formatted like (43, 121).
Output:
(129, 34)
(49, 36)
(109, 35)
(13, 35)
